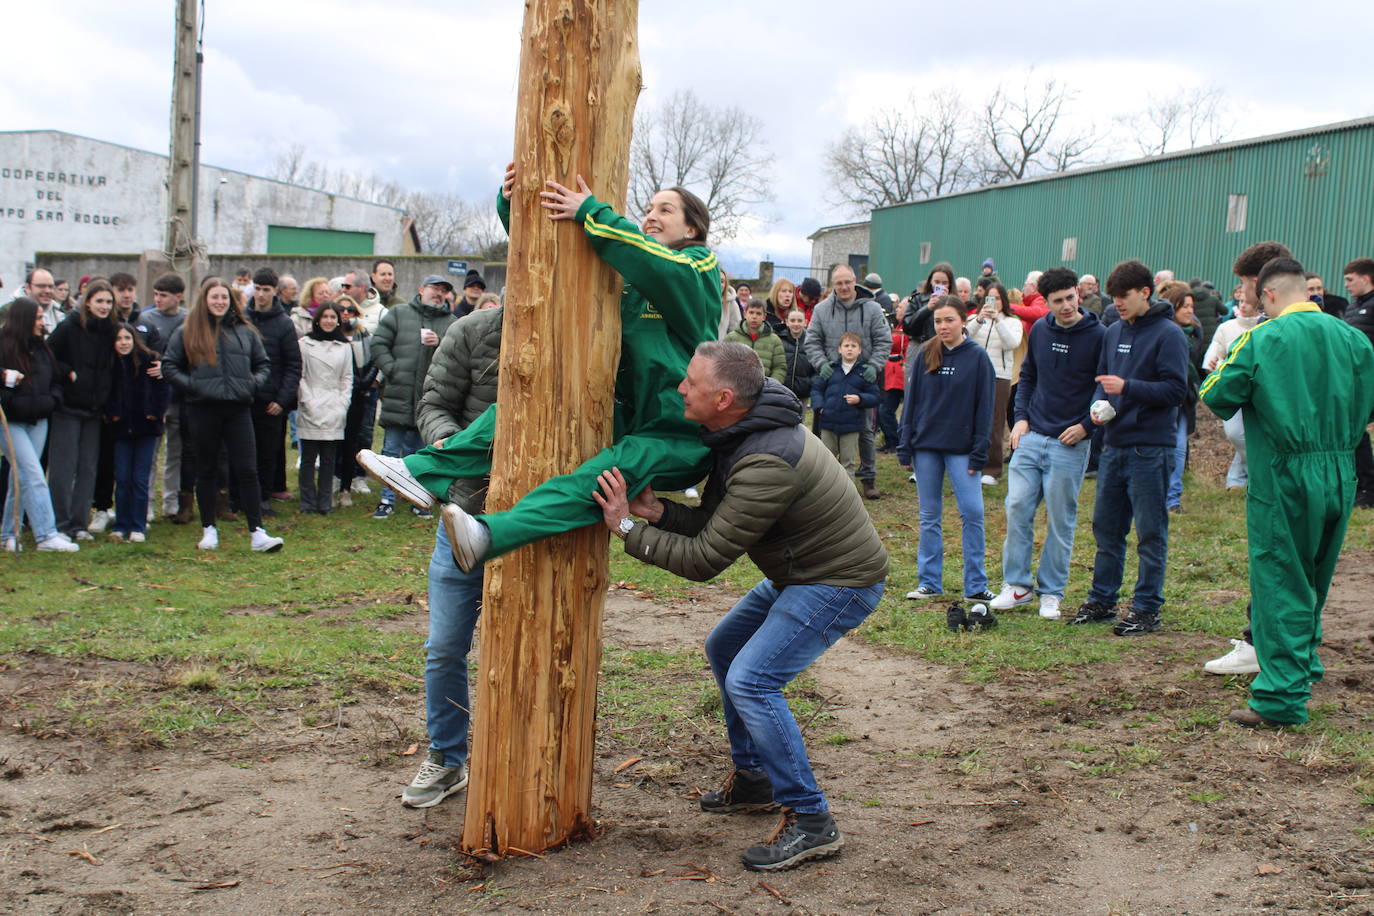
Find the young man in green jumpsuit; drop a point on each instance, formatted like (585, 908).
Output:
(1298, 378)
(671, 303)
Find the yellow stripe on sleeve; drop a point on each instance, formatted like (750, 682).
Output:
(653, 247)
(1236, 347)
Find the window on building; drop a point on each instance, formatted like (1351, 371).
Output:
(925, 252)
(1236, 207)
(1070, 250)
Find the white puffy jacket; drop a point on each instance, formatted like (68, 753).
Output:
(1000, 337)
(326, 389)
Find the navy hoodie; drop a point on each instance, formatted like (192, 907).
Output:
(1058, 375)
(1151, 354)
(827, 396)
(950, 409)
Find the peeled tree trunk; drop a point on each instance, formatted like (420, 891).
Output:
(535, 723)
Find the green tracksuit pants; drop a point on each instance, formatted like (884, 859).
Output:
(666, 460)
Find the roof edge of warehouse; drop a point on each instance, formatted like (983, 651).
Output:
(206, 165)
(1127, 163)
(854, 225)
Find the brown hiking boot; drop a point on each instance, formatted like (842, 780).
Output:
(186, 508)
(1251, 719)
(871, 490)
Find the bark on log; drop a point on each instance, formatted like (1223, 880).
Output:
(535, 715)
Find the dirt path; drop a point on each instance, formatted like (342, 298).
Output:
(1045, 793)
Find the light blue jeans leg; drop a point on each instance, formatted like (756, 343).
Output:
(1025, 480)
(455, 603)
(1175, 495)
(930, 492)
(28, 487)
(968, 496)
(1063, 480)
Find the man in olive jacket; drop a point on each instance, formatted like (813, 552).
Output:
(459, 387)
(402, 348)
(776, 494)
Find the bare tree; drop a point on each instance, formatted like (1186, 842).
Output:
(289, 163)
(919, 151)
(1183, 119)
(1024, 132)
(717, 153)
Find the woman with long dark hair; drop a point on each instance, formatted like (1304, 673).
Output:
(83, 345)
(325, 392)
(216, 359)
(30, 390)
(134, 414)
(949, 399)
(996, 329)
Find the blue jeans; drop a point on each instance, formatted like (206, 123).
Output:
(766, 639)
(28, 487)
(1175, 497)
(133, 462)
(398, 442)
(455, 603)
(931, 468)
(1043, 468)
(1131, 484)
(887, 415)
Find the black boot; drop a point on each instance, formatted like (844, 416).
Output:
(744, 792)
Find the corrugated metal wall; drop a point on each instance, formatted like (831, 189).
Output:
(1313, 192)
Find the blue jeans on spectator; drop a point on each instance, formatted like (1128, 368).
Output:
(1043, 468)
(764, 641)
(455, 603)
(1175, 497)
(28, 487)
(887, 416)
(398, 442)
(133, 462)
(1132, 482)
(931, 468)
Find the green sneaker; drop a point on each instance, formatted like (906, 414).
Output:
(434, 783)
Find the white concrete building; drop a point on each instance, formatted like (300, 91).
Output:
(846, 243)
(63, 192)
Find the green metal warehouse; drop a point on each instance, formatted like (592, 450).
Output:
(1191, 212)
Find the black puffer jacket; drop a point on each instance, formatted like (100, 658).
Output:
(800, 373)
(283, 352)
(240, 369)
(137, 401)
(89, 352)
(39, 394)
(1360, 315)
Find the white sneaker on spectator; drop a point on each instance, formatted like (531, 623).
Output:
(912, 478)
(137, 537)
(1240, 660)
(360, 486)
(10, 545)
(99, 522)
(344, 499)
(81, 535)
(1049, 607)
(1010, 596)
(264, 543)
(209, 539)
(58, 543)
(989, 481)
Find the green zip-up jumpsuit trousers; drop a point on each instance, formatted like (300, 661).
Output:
(671, 303)
(1303, 380)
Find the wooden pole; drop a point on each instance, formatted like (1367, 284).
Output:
(535, 710)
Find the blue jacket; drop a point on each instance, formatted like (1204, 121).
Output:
(827, 396)
(137, 402)
(949, 410)
(1151, 354)
(1058, 374)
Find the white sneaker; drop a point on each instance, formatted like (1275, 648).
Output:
(152, 513)
(58, 543)
(345, 499)
(137, 537)
(468, 537)
(209, 539)
(1240, 660)
(691, 493)
(82, 535)
(1049, 607)
(989, 480)
(912, 478)
(264, 542)
(392, 472)
(99, 522)
(434, 783)
(922, 593)
(360, 486)
(10, 545)
(1010, 596)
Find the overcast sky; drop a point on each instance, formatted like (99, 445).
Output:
(424, 93)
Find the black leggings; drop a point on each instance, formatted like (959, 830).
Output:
(217, 423)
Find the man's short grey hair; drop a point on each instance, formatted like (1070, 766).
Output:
(336, 285)
(283, 278)
(736, 367)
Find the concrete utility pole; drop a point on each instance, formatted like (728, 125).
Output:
(535, 723)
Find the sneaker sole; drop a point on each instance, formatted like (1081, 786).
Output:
(451, 516)
(411, 491)
(456, 787)
(1248, 669)
(815, 852)
(271, 548)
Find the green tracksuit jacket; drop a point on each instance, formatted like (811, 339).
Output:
(671, 303)
(1303, 381)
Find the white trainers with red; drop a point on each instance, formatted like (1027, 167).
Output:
(1010, 597)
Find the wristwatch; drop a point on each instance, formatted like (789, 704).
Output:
(626, 525)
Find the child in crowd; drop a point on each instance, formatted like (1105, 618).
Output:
(841, 401)
(134, 416)
(325, 392)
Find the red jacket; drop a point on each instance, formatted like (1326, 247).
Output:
(894, 373)
(1031, 310)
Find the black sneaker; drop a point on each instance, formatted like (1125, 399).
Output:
(1092, 612)
(1134, 624)
(984, 596)
(799, 837)
(980, 618)
(421, 513)
(955, 618)
(1364, 499)
(383, 510)
(744, 792)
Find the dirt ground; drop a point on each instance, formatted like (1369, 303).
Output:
(1074, 792)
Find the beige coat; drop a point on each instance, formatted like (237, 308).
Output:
(326, 389)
